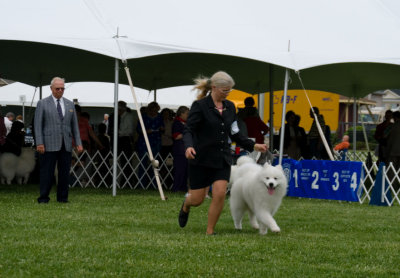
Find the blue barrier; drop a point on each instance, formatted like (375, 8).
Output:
(323, 179)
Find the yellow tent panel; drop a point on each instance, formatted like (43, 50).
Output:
(328, 104)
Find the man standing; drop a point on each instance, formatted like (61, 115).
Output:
(55, 125)
(381, 133)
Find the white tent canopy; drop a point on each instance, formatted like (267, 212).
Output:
(321, 33)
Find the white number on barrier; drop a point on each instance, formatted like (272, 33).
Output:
(353, 184)
(314, 184)
(336, 185)
(296, 184)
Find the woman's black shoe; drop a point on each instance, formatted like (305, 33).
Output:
(183, 217)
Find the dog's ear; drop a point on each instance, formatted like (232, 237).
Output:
(279, 167)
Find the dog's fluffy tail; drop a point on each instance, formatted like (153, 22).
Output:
(241, 161)
(244, 159)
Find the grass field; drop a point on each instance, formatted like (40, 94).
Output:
(135, 234)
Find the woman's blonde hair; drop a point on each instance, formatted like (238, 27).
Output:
(219, 79)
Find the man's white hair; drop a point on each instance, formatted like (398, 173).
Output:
(55, 79)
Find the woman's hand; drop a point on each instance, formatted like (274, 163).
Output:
(190, 153)
(260, 148)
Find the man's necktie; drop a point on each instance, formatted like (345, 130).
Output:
(60, 114)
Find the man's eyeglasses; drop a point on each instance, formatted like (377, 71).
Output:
(59, 89)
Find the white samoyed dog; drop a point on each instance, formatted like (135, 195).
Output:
(12, 166)
(258, 190)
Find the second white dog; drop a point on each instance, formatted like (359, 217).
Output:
(17, 166)
(258, 190)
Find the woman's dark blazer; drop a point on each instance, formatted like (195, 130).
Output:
(208, 132)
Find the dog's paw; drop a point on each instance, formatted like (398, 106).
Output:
(263, 231)
(255, 226)
(276, 230)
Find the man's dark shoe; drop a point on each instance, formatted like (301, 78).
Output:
(183, 217)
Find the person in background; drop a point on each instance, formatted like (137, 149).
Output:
(249, 110)
(56, 124)
(15, 139)
(324, 152)
(126, 132)
(256, 128)
(381, 132)
(127, 135)
(154, 126)
(178, 150)
(85, 131)
(3, 133)
(392, 143)
(302, 139)
(291, 143)
(104, 173)
(8, 121)
(166, 135)
(105, 121)
(344, 145)
(211, 123)
(19, 118)
(104, 139)
(314, 138)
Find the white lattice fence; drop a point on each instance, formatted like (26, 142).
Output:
(136, 173)
(132, 172)
(393, 180)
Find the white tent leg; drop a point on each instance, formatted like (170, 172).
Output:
(354, 125)
(320, 131)
(261, 106)
(115, 131)
(271, 108)
(154, 163)
(282, 136)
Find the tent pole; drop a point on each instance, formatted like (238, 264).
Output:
(354, 126)
(271, 108)
(155, 163)
(282, 136)
(261, 105)
(40, 87)
(115, 131)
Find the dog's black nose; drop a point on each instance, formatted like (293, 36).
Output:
(271, 184)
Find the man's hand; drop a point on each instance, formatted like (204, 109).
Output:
(260, 148)
(190, 153)
(40, 149)
(79, 148)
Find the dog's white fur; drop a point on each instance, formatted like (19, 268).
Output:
(12, 166)
(8, 166)
(25, 166)
(258, 190)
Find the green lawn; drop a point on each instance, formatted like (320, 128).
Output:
(137, 235)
